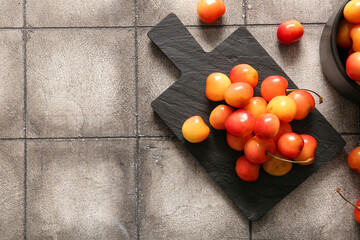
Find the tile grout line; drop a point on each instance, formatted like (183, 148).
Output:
(150, 26)
(245, 12)
(137, 153)
(25, 121)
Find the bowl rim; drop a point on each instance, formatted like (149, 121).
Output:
(334, 48)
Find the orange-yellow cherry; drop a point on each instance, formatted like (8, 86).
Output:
(283, 107)
(216, 84)
(195, 129)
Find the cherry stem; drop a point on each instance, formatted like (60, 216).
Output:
(290, 161)
(338, 190)
(320, 97)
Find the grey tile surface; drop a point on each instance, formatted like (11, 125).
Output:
(314, 210)
(179, 200)
(90, 13)
(81, 83)
(12, 189)
(12, 13)
(301, 62)
(11, 84)
(153, 11)
(278, 11)
(81, 190)
(156, 74)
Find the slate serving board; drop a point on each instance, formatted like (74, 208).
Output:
(186, 97)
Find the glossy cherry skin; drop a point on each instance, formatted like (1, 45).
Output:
(244, 73)
(257, 106)
(195, 129)
(246, 170)
(218, 116)
(352, 11)
(240, 123)
(284, 128)
(305, 103)
(255, 149)
(267, 126)
(277, 167)
(308, 150)
(273, 86)
(284, 107)
(290, 145)
(289, 32)
(210, 10)
(343, 34)
(238, 94)
(357, 212)
(353, 66)
(216, 84)
(237, 143)
(353, 159)
(355, 37)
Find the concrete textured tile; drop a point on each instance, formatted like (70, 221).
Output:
(179, 200)
(12, 13)
(301, 62)
(12, 189)
(81, 189)
(278, 11)
(11, 84)
(152, 12)
(157, 73)
(314, 210)
(90, 13)
(81, 83)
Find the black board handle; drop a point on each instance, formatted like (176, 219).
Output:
(177, 43)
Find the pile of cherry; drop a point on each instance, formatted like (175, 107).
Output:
(258, 126)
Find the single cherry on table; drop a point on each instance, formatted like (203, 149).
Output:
(289, 32)
(353, 159)
(210, 10)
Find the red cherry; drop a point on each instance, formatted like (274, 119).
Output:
(240, 123)
(353, 159)
(273, 86)
(256, 149)
(289, 32)
(246, 170)
(290, 145)
(308, 151)
(267, 126)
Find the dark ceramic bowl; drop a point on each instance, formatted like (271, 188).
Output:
(333, 59)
